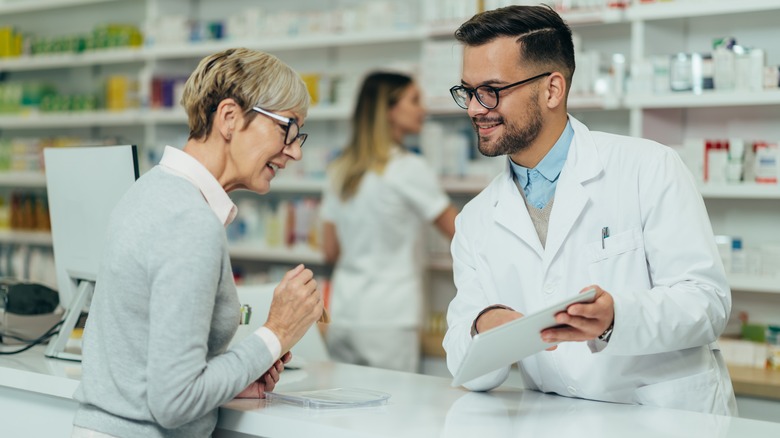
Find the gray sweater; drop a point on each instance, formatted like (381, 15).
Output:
(155, 358)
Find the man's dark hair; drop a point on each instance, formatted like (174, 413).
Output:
(544, 38)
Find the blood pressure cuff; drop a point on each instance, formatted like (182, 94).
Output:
(27, 298)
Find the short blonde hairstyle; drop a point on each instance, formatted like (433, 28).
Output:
(249, 77)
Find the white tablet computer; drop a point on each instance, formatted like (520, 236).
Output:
(513, 341)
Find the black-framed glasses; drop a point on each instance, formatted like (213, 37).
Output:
(487, 96)
(292, 131)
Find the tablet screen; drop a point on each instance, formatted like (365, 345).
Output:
(488, 351)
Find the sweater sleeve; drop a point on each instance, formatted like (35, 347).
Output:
(185, 383)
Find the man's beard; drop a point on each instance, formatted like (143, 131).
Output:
(514, 139)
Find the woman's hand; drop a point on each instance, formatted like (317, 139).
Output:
(266, 382)
(296, 305)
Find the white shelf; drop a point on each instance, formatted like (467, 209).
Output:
(335, 112)
(244, 251)
(66, 60)
(176, 116)
(463, 185)
(703, 100)
(80, 119)
(303, 42)
(344, 112)
(201, 49)
(443, 29)
(596, 102)
(709, 191)
(581, 17)
(22, 237)
(738, 282)
(444, 106)
(22, 179)
(258, 252)
(23, 6)
(754, 283)
(297, 185)
(689, 9)
(740, 191)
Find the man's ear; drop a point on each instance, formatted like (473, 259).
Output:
(556, 90)
(226, 118)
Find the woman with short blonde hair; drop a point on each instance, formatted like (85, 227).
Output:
(156, 360)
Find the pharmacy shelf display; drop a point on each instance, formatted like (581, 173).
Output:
(640, 32)
(640, 17)
(87, 119)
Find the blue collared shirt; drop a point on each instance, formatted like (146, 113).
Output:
(539, 183)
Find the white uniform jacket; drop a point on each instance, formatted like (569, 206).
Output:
(378, 279)
(660, 264)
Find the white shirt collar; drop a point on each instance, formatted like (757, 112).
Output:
(182, 164)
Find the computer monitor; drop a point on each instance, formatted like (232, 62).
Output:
(84, 185)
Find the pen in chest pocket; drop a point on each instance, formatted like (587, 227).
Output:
(604, 235)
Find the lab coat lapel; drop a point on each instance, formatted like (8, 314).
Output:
(571, 197)
(511, 213)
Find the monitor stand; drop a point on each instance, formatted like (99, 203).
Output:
(56, 348)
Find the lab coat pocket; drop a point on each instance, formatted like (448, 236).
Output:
(698, 392)
(618, 261)
(615, 245)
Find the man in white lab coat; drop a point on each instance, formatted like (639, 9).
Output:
(575, 208)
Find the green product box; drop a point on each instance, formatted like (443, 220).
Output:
(754, 332)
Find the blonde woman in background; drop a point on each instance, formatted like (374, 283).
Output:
(378, 200)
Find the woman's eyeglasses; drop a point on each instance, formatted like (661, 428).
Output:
(292, 131)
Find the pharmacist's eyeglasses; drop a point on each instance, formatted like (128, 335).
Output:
(486, 95)
(292, 131)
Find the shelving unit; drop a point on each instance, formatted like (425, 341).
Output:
(740, 191)
(85, 119)
(22, 237)
(17, 7)
(755, 283)
(689, 26)
(320, 41)
(674, 10)
(68, 60)
(294, 255)
(639, 31)
(703, 100)
(755, 382)
(22, 179)
(738, 282)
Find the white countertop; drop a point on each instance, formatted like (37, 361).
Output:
(420, 406)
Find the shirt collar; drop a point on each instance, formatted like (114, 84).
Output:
(182, 164)
(551, 165)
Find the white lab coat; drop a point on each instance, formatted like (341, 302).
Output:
(660, 264)
(378, 279)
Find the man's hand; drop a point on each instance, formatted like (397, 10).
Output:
(266, 382)
(495, 317)
(583, 321)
